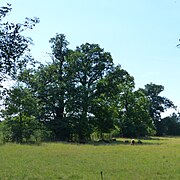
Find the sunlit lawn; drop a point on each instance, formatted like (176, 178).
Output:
(154, 159)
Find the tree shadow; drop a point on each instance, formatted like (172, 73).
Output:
(126, 142)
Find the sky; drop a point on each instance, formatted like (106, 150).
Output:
(141, 35)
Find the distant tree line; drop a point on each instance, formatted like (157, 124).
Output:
(80, 94)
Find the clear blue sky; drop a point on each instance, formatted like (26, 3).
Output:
(141, 35)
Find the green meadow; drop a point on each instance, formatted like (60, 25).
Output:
(154, 159)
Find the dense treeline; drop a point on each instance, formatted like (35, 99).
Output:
(80, 94)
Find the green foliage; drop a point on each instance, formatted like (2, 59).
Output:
(135, 118)
(19, 113)
(158, 104)
(88, 63)
(27, 130)
(49, 85)
(107, 104)
(170, 125)
(14, 49)
(79, 93)
(65, 88)
(122, 105)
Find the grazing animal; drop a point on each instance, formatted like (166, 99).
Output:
(139, 141)
(126, 141)
(132, 142)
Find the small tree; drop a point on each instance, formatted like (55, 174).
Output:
(158, 104)
(20, 110)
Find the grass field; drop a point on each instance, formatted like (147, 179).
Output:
(154, 159)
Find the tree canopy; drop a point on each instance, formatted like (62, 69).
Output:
(79, 93)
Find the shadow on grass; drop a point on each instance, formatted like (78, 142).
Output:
(141, 142)
(124, 144)
(102, 142)
(118, 141)
(155, 138)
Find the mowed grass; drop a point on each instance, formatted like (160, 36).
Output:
(154, 159)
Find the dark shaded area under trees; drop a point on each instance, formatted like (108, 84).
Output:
(81, 93)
